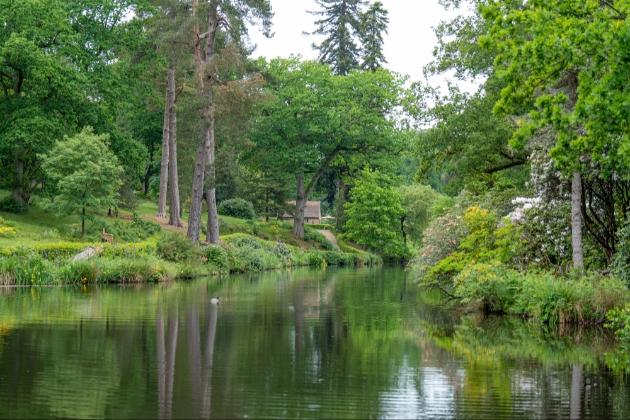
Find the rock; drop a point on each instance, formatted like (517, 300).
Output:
(84, 255)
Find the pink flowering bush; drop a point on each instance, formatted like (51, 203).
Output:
(439, 240)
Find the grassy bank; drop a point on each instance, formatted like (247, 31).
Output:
(172, 257)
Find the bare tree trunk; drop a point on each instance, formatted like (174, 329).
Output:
(16, 193)
(300, 205)
(170, 93)
(173, 209)
(576, 221)
(194, 217)
(204, 89)
(212, 234)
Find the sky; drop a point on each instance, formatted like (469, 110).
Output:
(407, 47)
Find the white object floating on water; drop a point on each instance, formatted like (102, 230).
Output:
(214, 300)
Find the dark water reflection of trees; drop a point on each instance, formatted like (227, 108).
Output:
(307, 343)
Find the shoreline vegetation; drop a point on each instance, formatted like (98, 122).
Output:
(158, 254)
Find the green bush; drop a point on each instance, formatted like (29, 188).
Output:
(11, 205)
(237, 207)
(317, 260)
(131, 270)
(539, 294)
(136, 250)
(619, 322)
(216, 256)
(621, 263)
(175, 247)
(137, 229)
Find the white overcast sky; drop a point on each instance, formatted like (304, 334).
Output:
(408, 46)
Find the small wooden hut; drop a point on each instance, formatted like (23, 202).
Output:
(312, 213)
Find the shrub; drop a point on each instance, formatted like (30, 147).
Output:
(619, 322)
(217, 256)
(621, 263)
(317, 260)
(131, 270)
(137, 229)
(538, 294)
(176, 248)
(237, 207)
(11, 205)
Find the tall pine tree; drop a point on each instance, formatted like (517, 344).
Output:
(373, 24)
(340, 23)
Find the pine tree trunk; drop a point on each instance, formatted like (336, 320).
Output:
(83, 223)
(576, 221)
(194, 217)
(300, 205)
(170, 93)
(212, 233)
(173, 180)
(204, 89)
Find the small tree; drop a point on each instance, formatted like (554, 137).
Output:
(417, 201)
(87, 173)
(374, 214)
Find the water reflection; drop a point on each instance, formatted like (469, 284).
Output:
(308, 343)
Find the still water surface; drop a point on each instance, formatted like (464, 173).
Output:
(335, 343)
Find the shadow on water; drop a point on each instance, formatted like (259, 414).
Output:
(342, 343)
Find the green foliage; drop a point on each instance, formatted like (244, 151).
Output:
(11, 205)
(374, 215)
(87, 172)
(621, 263)
(619, 322)
(175, 247)
(440, 240)
(417, 202)
(547, 298)
(321, 239)
(340, 24)
(237, 207)
(64, 250)
(138, 229)
(317, 260)
(373, 24)
(217, 256)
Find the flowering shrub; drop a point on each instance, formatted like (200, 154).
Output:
(217, 256)
(7, 232)
(440, 239)
(486, 286)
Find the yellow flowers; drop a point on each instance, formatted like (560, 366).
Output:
(7, 231)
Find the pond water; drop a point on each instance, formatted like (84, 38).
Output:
(335, 343)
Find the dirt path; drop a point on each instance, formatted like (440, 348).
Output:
(163, 221)
(330, 236)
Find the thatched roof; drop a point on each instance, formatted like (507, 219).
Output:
(312, 210)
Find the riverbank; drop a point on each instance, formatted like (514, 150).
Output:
(172, 257)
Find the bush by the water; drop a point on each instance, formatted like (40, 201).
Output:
(175, 247)
(542, 295)
(619, 322)
(237, 207)
(11, 205)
